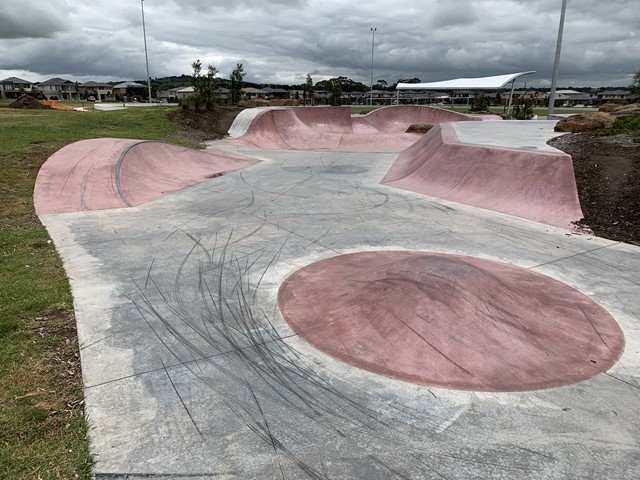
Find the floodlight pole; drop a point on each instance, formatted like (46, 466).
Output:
(373, 39)
(556, 64)
(146, 56)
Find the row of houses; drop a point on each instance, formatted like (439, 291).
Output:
(567, 98)
(61, 89)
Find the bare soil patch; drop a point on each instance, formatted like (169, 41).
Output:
(201, 126)
(607, 170)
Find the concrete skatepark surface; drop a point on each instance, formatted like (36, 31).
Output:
(191, 370)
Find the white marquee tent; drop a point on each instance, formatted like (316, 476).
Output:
(495, 82)
(479, 83)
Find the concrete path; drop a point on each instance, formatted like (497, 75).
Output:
(190, 370)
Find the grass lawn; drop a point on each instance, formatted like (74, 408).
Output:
(43, 431)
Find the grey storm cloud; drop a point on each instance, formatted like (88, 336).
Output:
(33, 19)
(280, 41)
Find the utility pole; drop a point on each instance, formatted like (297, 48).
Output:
(373, 39)
(556, 64)
(146, 56)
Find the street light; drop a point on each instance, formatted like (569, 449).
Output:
(556, 63)
(146, 56)
(373, 39)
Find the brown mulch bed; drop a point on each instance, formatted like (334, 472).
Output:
(607, 173)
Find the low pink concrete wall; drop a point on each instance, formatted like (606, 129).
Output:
(538, 186)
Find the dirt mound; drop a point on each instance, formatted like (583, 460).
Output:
(27, 101)
(607, 173)
(419, 128)
(585, 122)
(198, 127)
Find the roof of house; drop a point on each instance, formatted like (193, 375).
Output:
(91, 83)
(129, 84)
(57, 81)
(182, 89)
(14, 80)
(614, 92)
(583, 96)
(274, 90)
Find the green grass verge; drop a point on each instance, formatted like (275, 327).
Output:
(43, 431)
(624, 126)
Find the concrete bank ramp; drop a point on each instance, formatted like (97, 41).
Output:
(313, 128)
(536, 185)
(114, 173)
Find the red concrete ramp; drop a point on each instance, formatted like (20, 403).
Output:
(114, 173)
(313, 128)
(535, 185)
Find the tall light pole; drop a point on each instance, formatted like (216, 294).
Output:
(556, 63)
(146, 56)
(373, 40)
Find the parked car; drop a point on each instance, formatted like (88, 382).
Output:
(91, 99)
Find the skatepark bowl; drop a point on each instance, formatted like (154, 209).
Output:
(326, 296)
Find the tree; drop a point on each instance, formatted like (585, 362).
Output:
(237, 82)
(480, 103)
(404, 80)
(205, 85)
(635, 84)
(523, 110)
(308, 90)
(381, 84)
(336, 93)
(346, 84)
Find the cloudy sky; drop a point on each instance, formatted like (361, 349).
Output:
(280, 41)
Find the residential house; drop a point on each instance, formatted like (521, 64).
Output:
(275, 93)
(59, 89)
(582, 99)
(12, 87)
(130, 91)
(251, 93)
(99, 91)
(180, 93)
(296, 94)
(613, 96)
(354, 98)
(177, 93)
(223, 93)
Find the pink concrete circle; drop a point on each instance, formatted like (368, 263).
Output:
(450, 321)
